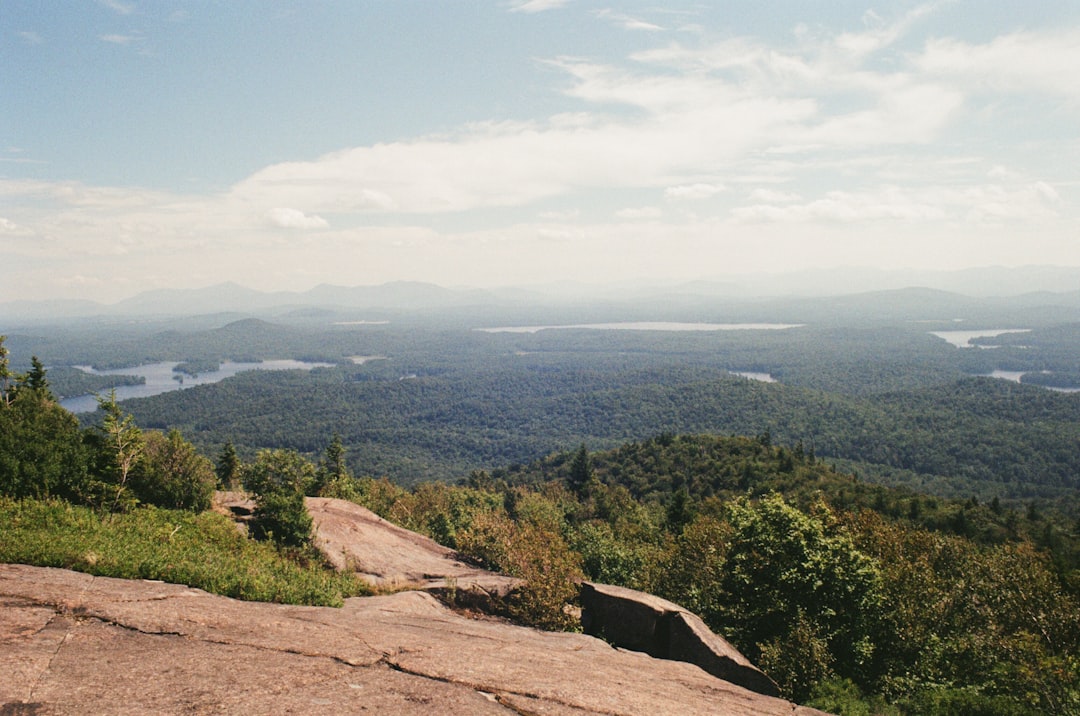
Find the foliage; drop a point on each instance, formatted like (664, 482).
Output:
(332, 473)
(279, 470)
(42, 449)
(228, 467)
(201, 550)
(969, 621)
(789, 575)
(894, 401)
(122, 447)
(282, 518)
(170, 473)
(849, 608)
(535, 551)
(279, 479)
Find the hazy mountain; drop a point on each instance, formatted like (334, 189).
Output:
(1029, 286)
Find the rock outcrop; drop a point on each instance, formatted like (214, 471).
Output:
(643, 622)
(73, 643)
(390, 557)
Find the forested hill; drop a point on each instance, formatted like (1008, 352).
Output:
(974, 436)
(678, 471)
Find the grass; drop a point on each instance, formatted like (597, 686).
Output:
(200, 550)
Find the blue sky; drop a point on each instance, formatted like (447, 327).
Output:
(287, 144)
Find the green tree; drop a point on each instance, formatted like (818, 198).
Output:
(332, 474)
(228, 467)
(581, 478)
(173, 474)
(279, 479)
(792, 576)
(42, 449)
(35, 378)
(278, 470)
(123, 445)
(282, 518)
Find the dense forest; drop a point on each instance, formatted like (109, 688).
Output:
(866, 382)
(856, 597)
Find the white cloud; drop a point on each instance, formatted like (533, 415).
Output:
(833, 145)
(626, 21)
(976, 204)
(1017, 62)
(559, 234)
(531, 6)
(694, 191)
(30, 38)
(295, 219)
(121, 8)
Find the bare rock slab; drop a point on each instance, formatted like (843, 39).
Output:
(70, 643)
(355, 539)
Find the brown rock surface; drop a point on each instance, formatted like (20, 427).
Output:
(71, 643)
(391, 557)
(644, 622)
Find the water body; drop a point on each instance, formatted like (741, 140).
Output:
(1016, 376)
(962, 339)
(160, 378)
(759, 377)
(649, 326)
(1013, 376)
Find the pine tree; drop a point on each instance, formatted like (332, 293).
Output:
(228, 467)
(123, 441)
(35, 379)
(581, 473)
(332, 468)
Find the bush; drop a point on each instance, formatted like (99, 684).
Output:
(282, 518)
(172, 474)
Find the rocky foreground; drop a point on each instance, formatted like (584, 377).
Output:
(73, 643)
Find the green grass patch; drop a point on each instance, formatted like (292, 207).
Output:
(200, 550)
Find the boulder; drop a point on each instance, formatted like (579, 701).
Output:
(390, 557)
(73, 643)
(635, 620)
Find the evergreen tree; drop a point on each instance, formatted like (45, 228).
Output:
(35, 379)
(228, 467)
(42, 449)
(581, 478)
(332, 468)
(123, 445)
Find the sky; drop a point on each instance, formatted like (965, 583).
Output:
(282, 145)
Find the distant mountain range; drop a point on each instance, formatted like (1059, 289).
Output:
(1046, 284)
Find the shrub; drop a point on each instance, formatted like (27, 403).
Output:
(172, 474)
(282, 518)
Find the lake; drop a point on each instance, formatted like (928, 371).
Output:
(962, 339)
(160, 378)
(759, 377)
(648, 326)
